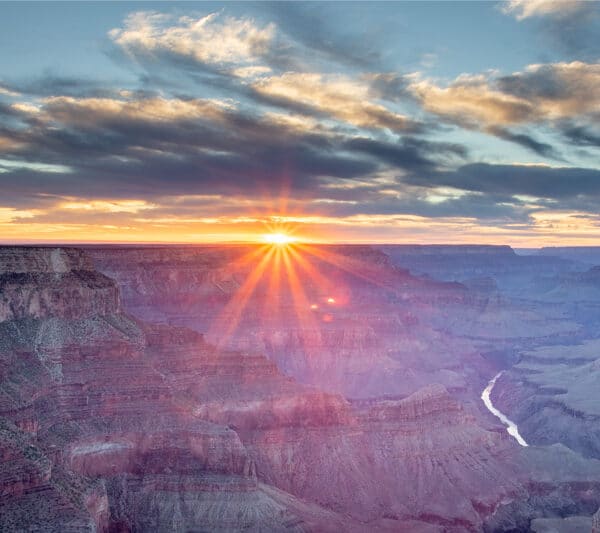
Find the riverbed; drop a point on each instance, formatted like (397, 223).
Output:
(511, 427)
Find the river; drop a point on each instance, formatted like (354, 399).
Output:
(511, 427)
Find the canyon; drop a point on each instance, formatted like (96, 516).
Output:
(324, 388)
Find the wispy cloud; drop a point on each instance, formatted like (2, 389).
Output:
(212, 39)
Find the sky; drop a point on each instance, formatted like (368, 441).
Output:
(407, 122)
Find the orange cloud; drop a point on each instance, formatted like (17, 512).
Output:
(91, 110)
(542, 92)
(523, 9)
(209, 39)
(340, 97)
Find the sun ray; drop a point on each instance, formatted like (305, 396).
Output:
(356, 268)
(228, 320)
(272, 303)
(324, 284)
(304, 314)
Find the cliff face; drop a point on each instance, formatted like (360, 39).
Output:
(111, 423)
(94, 436)
(513, 273)
(552, 394)
(43, 283)
(341, 318)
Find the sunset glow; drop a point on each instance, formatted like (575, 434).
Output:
(333, 140)
(279, 239)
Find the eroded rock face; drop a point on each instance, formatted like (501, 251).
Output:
(341, 318)
(38, 495)
(552, 394)
(82, 401)
(512, 272)
(123, 425)
(52, 282)
(32, 259)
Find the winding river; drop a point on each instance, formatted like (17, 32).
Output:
(511, 427)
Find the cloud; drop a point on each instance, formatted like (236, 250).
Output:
(522, 9)
(212, 39)
(581, 135)
(409, 154)
(339, 96)
(104, 206)
(257, 62)
(542, 94)
(527, 141)
(10, 214)
(558, 184)
(571, 26)
(49, 84)
(473, 101)
(126, 156)
(158, 145)
(6, 91)
(557, 90)
(310, 33)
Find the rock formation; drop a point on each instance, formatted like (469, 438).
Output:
(110, 423)
(94, 436)
(385, 332)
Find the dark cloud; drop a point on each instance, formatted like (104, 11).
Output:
(576, 33)
(538, 181)
(128, 152)
(392, 87)
(545, 82)
(305, 25)
(581, 135)
(527, 141)
(154, 148)
(408, 154)
(483, 207)
(51, 85)
(6, 111)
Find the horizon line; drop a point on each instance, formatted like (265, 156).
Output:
(250, 243)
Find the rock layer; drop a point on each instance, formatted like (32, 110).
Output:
(123, 425)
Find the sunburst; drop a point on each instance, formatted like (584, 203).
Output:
(278, 239)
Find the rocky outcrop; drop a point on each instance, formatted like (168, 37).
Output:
(52, 282)
(38, 495)
(552, 395)
(32, 259)
(409, 459)
(352, 324)
(84, 397)
(513, 273)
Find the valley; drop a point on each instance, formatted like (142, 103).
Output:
(239, 388)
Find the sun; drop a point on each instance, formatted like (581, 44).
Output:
(278, 239)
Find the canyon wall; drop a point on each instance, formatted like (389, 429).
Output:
(111, 423)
